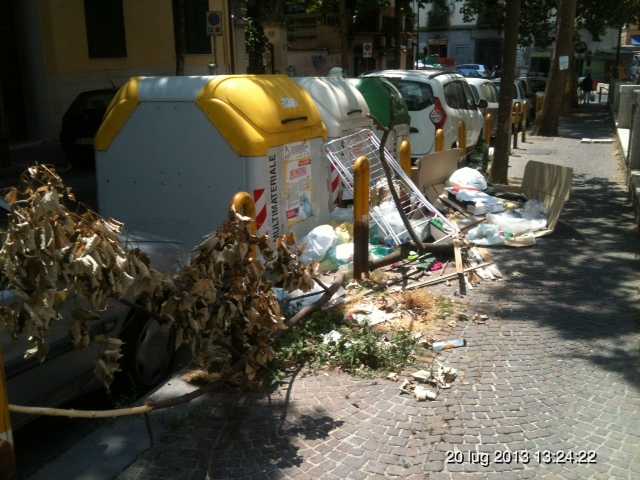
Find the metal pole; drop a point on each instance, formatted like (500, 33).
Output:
(462, 137)
(405, 157)
(525, 113)
(488, 128)
(361, 218)
(515, 121)
(439, 140)
(7, 454)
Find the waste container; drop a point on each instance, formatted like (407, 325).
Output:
(343, 109)
(172, 151)
(385, 102)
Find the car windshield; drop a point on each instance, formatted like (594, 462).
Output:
(476, 93)
(488, 92)
(417, 95)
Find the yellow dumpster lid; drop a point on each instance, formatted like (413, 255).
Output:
(252, 112)
(258, 112)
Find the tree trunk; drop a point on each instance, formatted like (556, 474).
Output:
(180, 34)
(550, 117)
(570, 98)
(500, 164)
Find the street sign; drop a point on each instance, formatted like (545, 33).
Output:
(214, 22)
(367, 50)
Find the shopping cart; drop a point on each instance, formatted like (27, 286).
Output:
(423, 217)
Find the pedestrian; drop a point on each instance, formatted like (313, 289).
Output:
(586, 85)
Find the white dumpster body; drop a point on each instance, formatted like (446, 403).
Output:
(190, 144)
(344, 111)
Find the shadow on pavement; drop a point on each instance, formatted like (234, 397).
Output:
(582, 280)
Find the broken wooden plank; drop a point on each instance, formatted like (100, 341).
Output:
(459, 266)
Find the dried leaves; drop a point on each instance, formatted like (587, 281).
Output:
(221, 305)
(51, 254)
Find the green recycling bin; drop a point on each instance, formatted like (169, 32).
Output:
(385, 102)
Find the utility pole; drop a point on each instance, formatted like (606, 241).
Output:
(500, 164)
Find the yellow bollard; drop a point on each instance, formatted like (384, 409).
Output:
(462, 137)
(7, 454)
(488, 128)
(243, 204)
(515, 122)
(525, 116)
(361, 218)
(405, 157)
(439, 140)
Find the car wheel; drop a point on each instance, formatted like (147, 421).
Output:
(148, 351)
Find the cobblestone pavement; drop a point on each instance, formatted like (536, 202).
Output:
(555, 372)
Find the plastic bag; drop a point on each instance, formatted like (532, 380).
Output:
(486, 234)
(466, 177)
(344, 233)
(341, 215)
(317, 243)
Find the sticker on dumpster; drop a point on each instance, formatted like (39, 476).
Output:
(288, 102)
(273, 196)
(298, 182)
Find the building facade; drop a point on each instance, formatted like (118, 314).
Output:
(64, 47)
(444, 33)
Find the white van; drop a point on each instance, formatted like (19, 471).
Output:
(437, 99)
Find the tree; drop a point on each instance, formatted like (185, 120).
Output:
(500, 165)
(559, 71)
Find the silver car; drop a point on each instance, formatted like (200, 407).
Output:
(148, 350)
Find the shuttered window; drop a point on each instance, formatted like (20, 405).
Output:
(105, 28)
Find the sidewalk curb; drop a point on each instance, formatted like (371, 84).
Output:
(106, 452)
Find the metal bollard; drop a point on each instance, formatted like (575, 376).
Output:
(361, 218)
(405, 157)
(243, 204)
(7, 454)
(515, 121)
(488, 128)
(525, 113)
(439, 140)
(462, 137)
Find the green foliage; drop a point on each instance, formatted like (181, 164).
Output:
(360, 350)
(537, 20)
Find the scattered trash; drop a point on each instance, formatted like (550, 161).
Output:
(333, 336)
(468, 178)
(317, 243)
(421, 376)
(369, 315)
(442, 376)
(596, 140)
(393, 377)
(448, 344)
(424, 393)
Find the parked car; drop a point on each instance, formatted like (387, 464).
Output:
(484, 89)
(533, 85)
(473, 70)
(519, 94)
(81, 122)
(68, 372)
(436, 99)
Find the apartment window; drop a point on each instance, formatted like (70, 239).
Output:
(195, 25)
(105, 28)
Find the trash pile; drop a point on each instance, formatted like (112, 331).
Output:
(507, 218)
